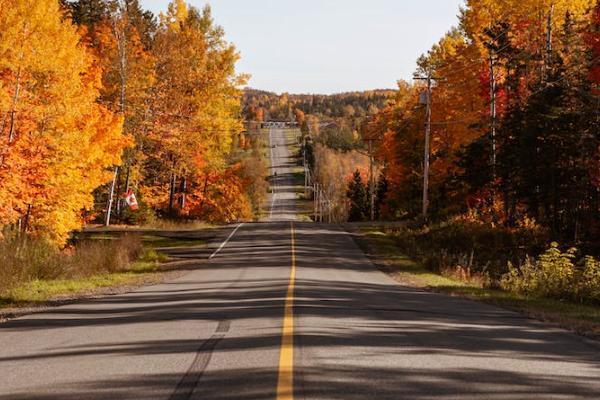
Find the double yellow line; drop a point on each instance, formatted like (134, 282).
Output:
(285, 382)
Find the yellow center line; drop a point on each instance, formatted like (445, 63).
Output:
(285, 382)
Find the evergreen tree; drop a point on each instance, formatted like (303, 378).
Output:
(380, 194)
(88, 12)
(359, 199)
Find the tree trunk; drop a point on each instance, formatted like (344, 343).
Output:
(172, 193)
(26, 219)
(182, 190)
(13, 109)
(204, 190)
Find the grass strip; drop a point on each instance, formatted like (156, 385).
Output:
(146, 270)
(41, 291)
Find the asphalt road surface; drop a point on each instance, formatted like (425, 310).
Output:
(282, 202)
(290, 310)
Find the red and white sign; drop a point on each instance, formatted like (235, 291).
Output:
(131, 200)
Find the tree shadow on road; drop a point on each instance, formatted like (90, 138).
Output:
(343, 315)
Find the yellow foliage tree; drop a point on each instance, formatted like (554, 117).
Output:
(196, 103)
(56, 140)
(127, 81)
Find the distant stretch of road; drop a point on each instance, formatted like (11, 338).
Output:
(289, 310)
(282, 203)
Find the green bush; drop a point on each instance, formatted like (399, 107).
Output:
(556, 274)
(551, 275)
(590, 279)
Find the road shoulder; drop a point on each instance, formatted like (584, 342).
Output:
(583, 320)
(175, 262)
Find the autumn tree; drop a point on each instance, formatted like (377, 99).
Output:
(195, 108)
(57, 141)
(513, 129)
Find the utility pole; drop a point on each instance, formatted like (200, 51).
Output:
(429, 79)
(119, 31)
(372, 179)
(306, 170)
(127, 183)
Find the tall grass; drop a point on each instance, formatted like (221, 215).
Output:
(469, 249)
(23, 260)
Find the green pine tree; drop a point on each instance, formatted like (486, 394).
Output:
(359, 199)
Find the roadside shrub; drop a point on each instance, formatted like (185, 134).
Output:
(101, 256)
(24, 259)
(590, 280)
(555, 274)
(10, 271)
(482, 250)
(551, 275)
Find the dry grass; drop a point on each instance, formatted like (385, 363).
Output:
(28, 260)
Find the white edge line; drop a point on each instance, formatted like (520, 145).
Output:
(226, 241)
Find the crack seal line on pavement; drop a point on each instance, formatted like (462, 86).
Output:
(186, 386)
(226, 241)
(285, 381)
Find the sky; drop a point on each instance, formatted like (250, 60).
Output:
(328, 46)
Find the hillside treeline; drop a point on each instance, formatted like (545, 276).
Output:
(261, 105)
(334, 120)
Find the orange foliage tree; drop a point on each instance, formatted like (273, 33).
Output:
(56, 140)
(195, 109)
(513, 134)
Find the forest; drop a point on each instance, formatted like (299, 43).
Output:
(491, 156)
(261, 105)
(120, 101)
(515, 134)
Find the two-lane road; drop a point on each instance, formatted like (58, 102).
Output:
(282, 203)
(297, 306)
